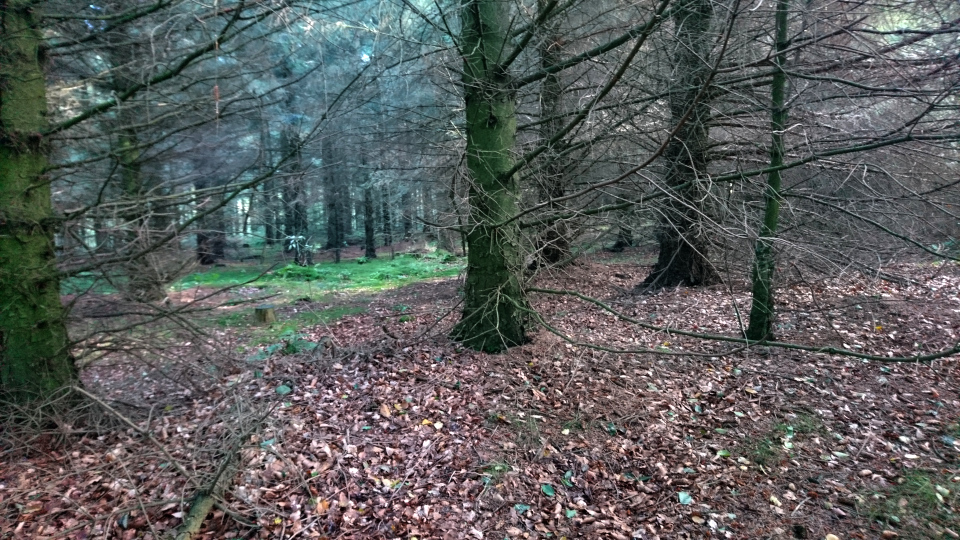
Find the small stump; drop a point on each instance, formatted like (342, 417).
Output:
(265, 314)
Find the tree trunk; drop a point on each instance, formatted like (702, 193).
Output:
(684, 244)
(146, 279)
(294, 200)
(34, 354)
(211, 234)
(336, 209)
(427, 208)
(494, 315)
(269, 195)
(406, 213)
(145, 275)
(448, 238)
(386, 218)
(762, 308)
(553, 243)
(624, 235)
(369, 230)
(346, 208)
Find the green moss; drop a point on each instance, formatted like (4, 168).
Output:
(34, 355)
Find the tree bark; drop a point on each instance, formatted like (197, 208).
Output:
(270, 213)
(553, 243)
(762, 308)
(684, 244)
(333, 195)
(294, 199)
(624, 236)
(406, 213)
(146, 275)
(387, 217)
(494, 315)
(448, 237)
(34, 353)
(369, 229)
(211, 235)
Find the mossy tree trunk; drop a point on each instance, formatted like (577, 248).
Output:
(406, 214)
(34, 352)
(448, 237)
(494, 308)
(683, 258)
(144, 280)
(762, 307)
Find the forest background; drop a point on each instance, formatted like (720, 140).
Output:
(172, 164)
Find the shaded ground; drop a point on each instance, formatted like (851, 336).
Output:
(398, 433)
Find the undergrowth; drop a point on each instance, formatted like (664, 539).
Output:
(922, 504)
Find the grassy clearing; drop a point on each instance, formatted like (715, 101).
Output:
(350, 275)
(321, 283)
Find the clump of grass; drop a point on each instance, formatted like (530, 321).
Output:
(769, 449)
(764, 451)
(494, 471)
(804, 424)
(921, 504)
(575, 424)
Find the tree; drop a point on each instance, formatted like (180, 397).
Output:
(494, 312)
(553, 243)
(34, 349)
(682, 237)
(762, 306)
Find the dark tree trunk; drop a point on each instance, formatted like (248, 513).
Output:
(211, 234)
(346, 208)
(334, 202)
(684, 243)
(270, 215)
(386, 218)
(294, 200)
(146, 275)
(369, 228)
(553, 243)
(406, 216)
(448, 238)
(624, 238)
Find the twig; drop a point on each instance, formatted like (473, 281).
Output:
(205, 498)
(141, 431)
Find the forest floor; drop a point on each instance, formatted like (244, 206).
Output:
(395, 431)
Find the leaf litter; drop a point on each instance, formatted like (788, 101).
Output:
(403, 434)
